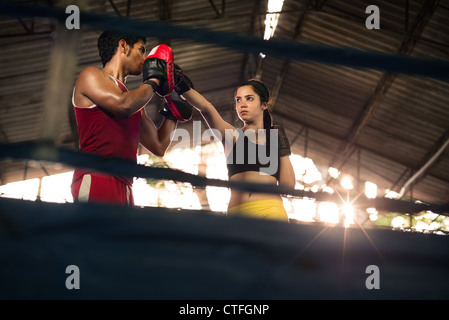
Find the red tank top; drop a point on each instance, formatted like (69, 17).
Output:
(106, 135)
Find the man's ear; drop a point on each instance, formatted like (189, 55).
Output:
(122, 46)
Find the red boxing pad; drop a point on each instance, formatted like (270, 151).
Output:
(179, 108)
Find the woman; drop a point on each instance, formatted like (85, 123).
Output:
(251, 103)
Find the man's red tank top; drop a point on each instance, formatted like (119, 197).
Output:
(106, 135)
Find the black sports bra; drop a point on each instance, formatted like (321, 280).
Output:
(249, 156)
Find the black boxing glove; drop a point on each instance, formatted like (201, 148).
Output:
(182, 81)
(176, 108)
(159, 65)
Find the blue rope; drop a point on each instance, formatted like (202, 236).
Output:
(277, 48)
(47, 152)
(283, 49)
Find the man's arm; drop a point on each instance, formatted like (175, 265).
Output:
(156, 140)
(96, 86)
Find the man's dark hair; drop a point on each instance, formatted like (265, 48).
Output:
(108, 43)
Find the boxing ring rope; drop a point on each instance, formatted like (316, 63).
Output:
(45, 149)
(157, 253)
(283, 49)
(276, 48)
(47, 152)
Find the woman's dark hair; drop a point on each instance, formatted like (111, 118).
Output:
(108, 43)
(262, 91)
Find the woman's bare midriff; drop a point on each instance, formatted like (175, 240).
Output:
(238, 197)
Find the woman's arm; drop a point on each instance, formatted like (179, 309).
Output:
(208, 111)
(287, 174)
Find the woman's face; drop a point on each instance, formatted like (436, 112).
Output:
(248, 104)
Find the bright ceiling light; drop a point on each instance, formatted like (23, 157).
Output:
(370, 190)
(391, 194)
(334, 173)
(271, 19)
(328, 190)
(373, 214)
(347, 183)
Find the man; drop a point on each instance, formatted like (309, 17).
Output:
(111, 119)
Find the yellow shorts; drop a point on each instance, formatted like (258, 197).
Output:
(261, 209)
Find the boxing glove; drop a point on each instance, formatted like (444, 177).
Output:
(176, 108)
(159, 64)
(283, 142)
(182, 81)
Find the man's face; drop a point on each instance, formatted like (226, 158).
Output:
(136, 58)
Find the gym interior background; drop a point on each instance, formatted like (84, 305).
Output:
(367, 103)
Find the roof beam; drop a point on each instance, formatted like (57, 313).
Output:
(400, 161)
(165, 9)
(374, 101)
(223, 4)
(286, 65)
(245, 66)
(432, 157)
(244, 74)
(128, 8)
(25, 27)
(115, 8)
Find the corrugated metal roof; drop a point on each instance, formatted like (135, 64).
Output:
(332, 114)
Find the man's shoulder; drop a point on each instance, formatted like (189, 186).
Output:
(88, 80)
(91, 75)
(91, 71)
